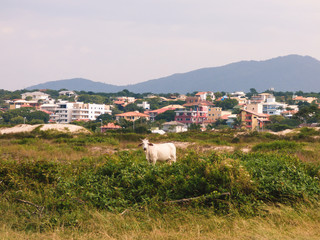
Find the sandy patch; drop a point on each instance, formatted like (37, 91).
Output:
(58, 127)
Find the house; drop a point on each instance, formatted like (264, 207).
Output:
(19, 103)
(36, 96)
(144, 105)
(174, 127)
(252, 120)
(132, 116)
(204, 95)
(298, 99)
(271, 107)
(128, 100)
(109, 126)
(67, 93)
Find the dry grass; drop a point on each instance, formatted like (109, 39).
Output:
(280, 223)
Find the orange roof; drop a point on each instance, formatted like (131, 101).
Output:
(132, 114)
(201, 93)
(161, 110)
(225, 117)
(45, 111)
(119, 102)
(111, 126)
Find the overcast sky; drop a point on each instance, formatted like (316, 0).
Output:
(128, 41)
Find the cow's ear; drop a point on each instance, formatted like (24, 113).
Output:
(140, 145)
(150, 144)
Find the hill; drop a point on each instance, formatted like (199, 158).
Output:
(288, 73)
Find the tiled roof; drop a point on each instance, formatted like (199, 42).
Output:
(111, 126)
(132, 114)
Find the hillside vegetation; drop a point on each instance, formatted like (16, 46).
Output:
(224, 184)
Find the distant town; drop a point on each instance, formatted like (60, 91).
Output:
(162, 113)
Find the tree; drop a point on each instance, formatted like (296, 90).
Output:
(195, 127)
(226, 104)
(132, 107)
(105, 118)
(308, 114)
(167, 116)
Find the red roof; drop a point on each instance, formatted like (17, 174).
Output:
(225, 117)
(133, 114)
(159, 111)
(119, 102)
(45, 111)
(111, 126)
(200, 93)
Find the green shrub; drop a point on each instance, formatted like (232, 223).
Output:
(276, 145)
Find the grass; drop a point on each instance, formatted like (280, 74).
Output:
(84, 183)
(277, 222)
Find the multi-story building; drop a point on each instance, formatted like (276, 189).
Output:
(214, 113)
(67, 112)
(196, 111)
(252, 120)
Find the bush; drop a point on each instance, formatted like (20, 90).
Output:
(276, 145)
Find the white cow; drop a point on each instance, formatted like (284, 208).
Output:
(159, 152)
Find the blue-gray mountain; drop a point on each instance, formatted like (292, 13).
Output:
(288, 73)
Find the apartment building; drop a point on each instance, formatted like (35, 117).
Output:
(67, 112)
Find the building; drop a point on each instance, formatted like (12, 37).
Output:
(67, 93)
(252, 120)
(144, 105)
(67, 112)
(204, 95)
(20, 103)
(174, 127)
(196, 111)
(271, 107)
(109, 126)
(36, 96)
(298, 99)
(214, 113)
(132, 116)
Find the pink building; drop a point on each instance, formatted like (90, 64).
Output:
(196, 111)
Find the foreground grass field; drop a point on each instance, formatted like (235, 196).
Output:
(237, 186)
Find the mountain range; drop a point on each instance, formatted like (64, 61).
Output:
(287, 73)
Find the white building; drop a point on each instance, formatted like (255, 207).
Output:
(175, 127)
(67, 93)
(272, 107)
(144, 105)
(67, 112)
(36, 96)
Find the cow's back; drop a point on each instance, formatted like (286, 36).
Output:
(165, 151)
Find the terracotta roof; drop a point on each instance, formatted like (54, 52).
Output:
(225, 117)
(111, 126)
(45, 111)
(119, 102)
(201, 93)
(161, 110)
(133, 114)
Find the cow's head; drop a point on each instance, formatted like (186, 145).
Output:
(145, 143)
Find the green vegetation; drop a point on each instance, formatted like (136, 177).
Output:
(51, 181)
